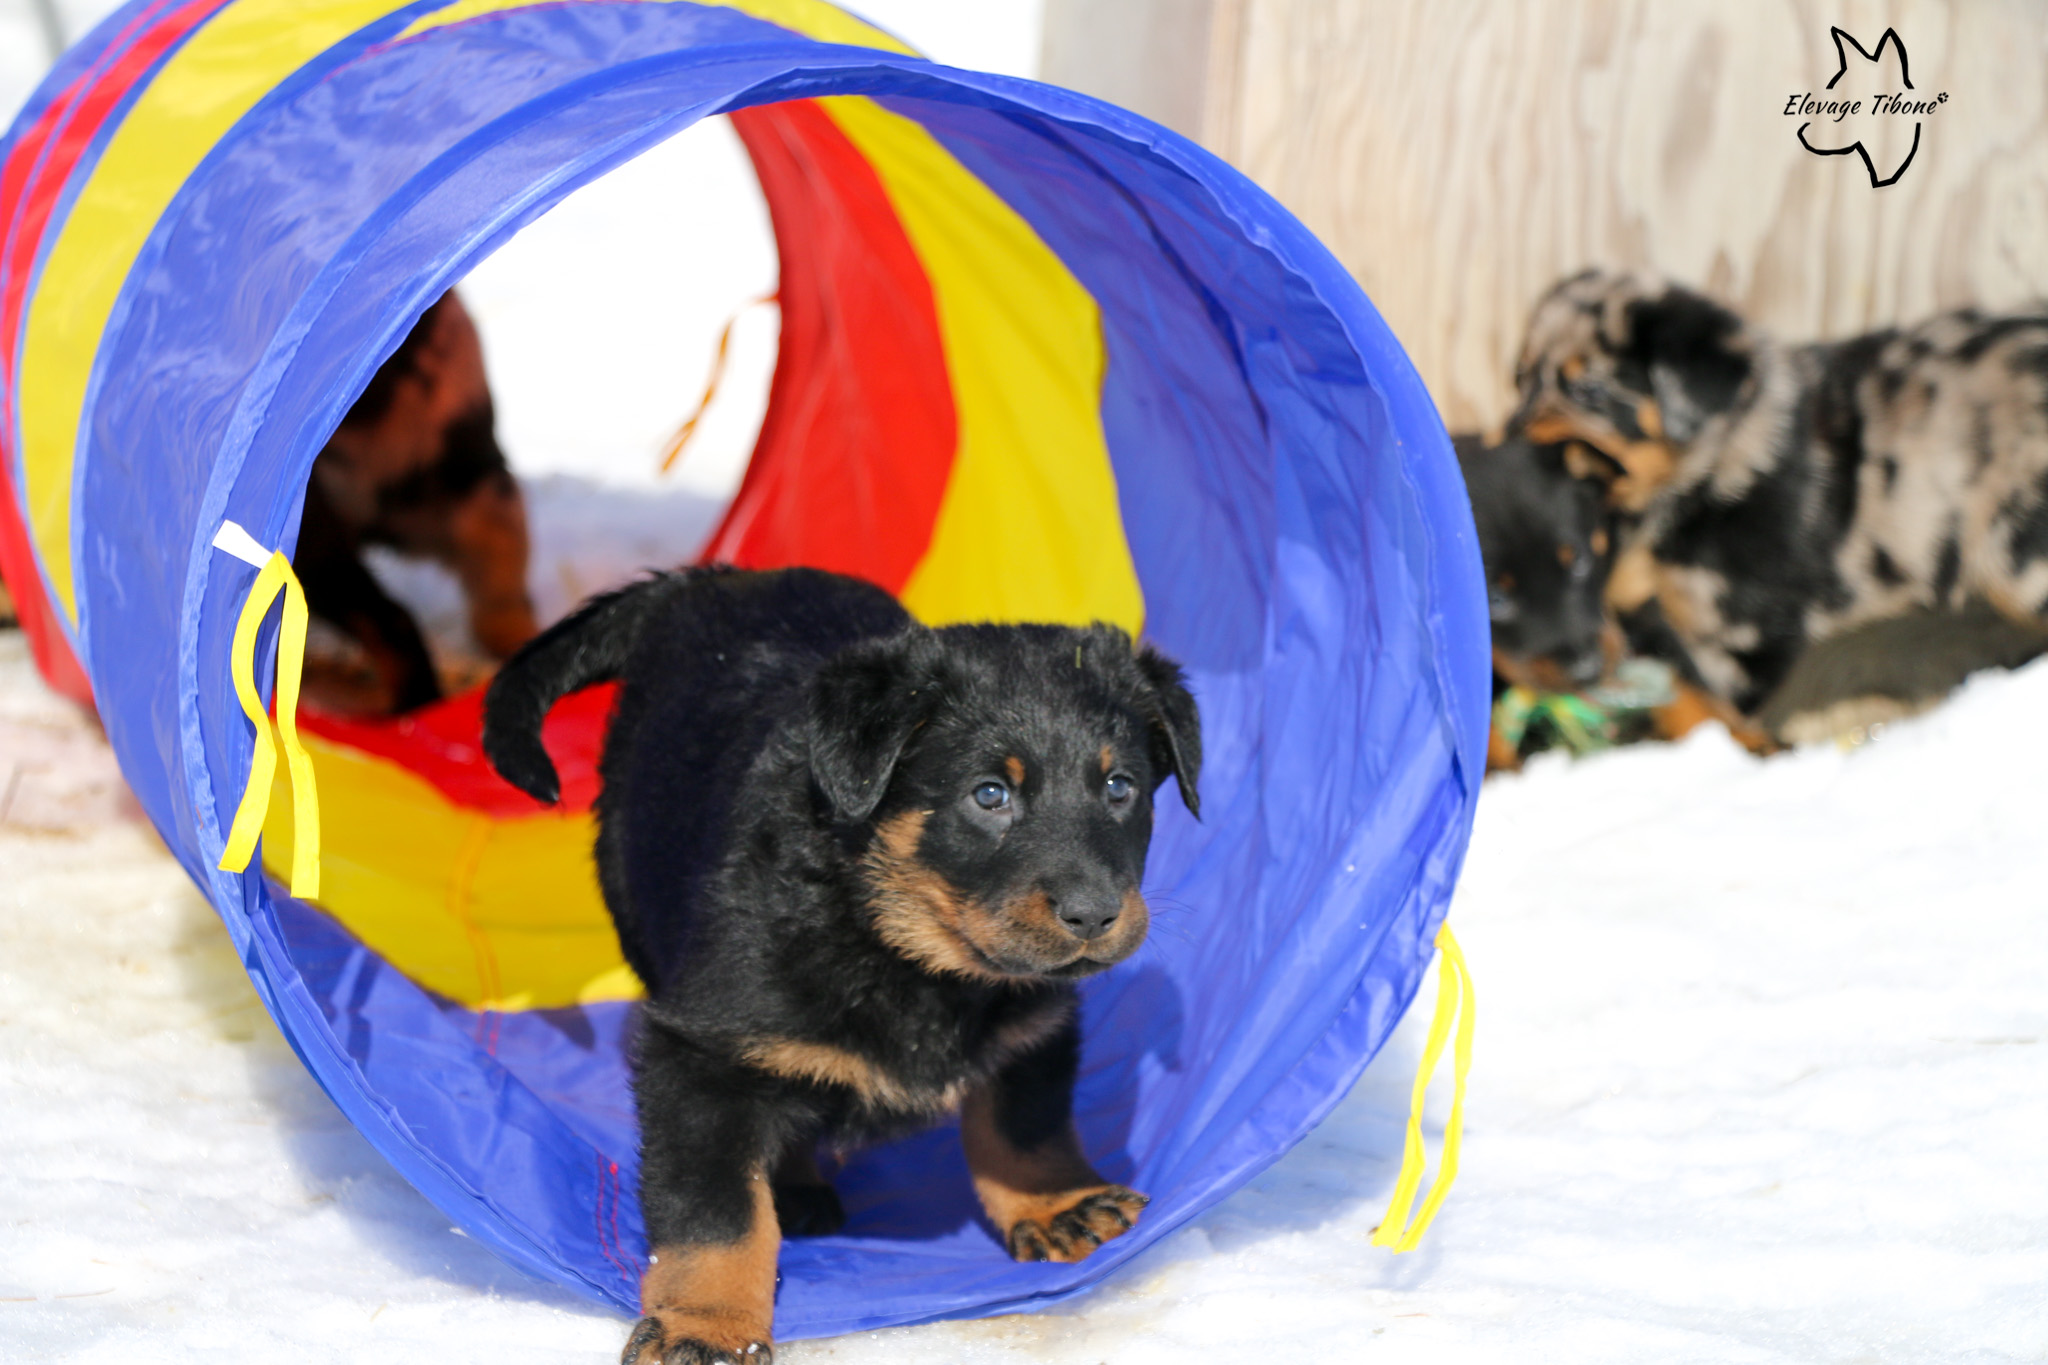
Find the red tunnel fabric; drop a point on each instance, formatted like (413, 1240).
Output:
(858, 442)
(31, 182)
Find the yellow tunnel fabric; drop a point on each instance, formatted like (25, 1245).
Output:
(496, 914)
(1030, 528)
(233, 61)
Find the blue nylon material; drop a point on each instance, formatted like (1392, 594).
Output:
(1286, 489)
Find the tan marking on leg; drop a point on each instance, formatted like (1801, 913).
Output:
(1049, 1204)
(720, 1295)
(824, 1064)
(1014, 767)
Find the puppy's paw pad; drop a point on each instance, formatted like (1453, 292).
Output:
(1071, 1233)
(651, 1344)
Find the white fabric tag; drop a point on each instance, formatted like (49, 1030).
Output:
(239, 543)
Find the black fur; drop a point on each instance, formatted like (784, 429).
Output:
(1546, 540)
(1680, 345)
(772, 728)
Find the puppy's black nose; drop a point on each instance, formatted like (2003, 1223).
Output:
(1087, 916)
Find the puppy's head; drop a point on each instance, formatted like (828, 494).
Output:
(1003, 779)
(1634, 368)
(1546, 537)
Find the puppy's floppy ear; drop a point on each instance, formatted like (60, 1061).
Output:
(1176, 725)
(1697, 357)
(865, 704)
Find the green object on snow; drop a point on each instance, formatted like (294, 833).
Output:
(1615, 712)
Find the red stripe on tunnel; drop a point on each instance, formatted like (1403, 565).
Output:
(33, 177)
(858, 441)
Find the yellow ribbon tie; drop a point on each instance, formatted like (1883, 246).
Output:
(1454, 998)
(275, 577)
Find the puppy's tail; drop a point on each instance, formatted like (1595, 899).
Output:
(589, 646)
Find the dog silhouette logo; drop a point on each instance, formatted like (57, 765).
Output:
(1868, 126)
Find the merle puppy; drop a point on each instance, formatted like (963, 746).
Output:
(859, 865)
(1788, 493)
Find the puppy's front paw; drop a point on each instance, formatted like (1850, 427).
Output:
(1069, 1230)
(657, 1343)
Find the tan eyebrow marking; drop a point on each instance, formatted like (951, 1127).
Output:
(1014, 766)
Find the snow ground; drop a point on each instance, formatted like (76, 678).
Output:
(1760, 1071)
(1760, 1077)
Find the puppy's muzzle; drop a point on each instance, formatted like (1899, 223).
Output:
(1087, 915)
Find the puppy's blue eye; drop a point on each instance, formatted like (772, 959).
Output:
(1119, 788)
(991, 796)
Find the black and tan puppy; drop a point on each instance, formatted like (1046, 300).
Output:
(415, 465)
(859, 865)
(1788, 493)
(1545, 539)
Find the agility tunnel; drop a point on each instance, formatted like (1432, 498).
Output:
(1040, 360)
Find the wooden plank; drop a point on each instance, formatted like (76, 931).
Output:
(1461, 155)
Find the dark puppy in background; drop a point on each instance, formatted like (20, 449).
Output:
(415, 465)
(859, 865)
(1845, 686)
(1546, 542)
(1786, 494)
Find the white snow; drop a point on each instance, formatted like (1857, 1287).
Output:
(601, 320)
(1762, 1074)
(1762, 1067)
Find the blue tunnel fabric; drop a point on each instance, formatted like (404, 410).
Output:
(1291, 504)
